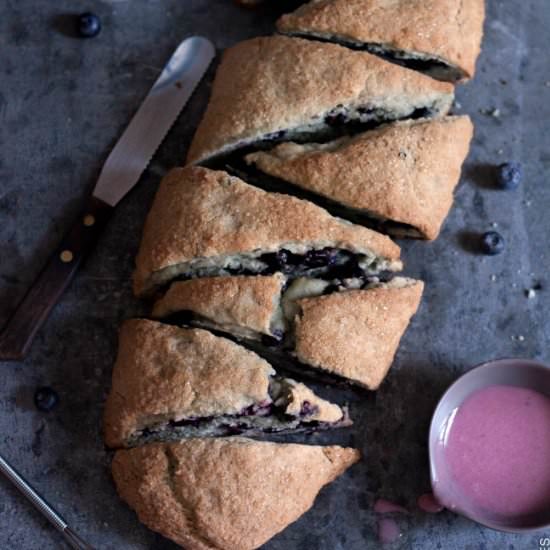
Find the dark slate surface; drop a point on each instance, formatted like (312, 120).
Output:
(64, 102)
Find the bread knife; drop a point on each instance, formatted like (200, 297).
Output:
(119, 174)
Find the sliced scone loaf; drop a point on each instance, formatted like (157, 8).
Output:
(275, 88)
(205, 223)
(349, 328)
(355, 334)
(399, 177)
(232, 493)
(442, 37)
(170, 383)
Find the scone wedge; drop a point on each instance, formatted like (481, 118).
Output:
(278, 88)
(355, 334)
(442, 37)
(230, 494)
(171, 383)
(347, 328)
(244, 306)
(399, 178)
(207, 223)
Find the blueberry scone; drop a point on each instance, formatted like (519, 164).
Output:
(355, 334)
(278, 88)
(349, 328)
(171, 383)
(208, 223)
(245, 306)
(230, 494)
(399, 178)
(442, 37)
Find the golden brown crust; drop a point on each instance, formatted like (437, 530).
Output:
(164, 372)
(225, 494)
(237, 302)
(270, 84)
(356, 333)
(450, 30)
(405, 171)
(201, 213)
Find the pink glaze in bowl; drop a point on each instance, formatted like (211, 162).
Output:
(489, 446)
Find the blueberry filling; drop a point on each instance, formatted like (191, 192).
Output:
(276, 136)
(308, 409)
(290, 263)
(329, 262)
(260, 418)
(254, 424)
(264, 408)
(258, 409)
(336, 119)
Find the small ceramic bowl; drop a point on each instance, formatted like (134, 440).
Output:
(509, 372)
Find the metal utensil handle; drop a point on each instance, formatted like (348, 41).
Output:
(42, 506)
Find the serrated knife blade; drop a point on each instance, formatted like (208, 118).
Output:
(120, 173)
(154, 118)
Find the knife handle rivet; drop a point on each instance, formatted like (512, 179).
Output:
(66, 256)
(88, 220)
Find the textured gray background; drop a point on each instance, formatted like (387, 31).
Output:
(64, 102)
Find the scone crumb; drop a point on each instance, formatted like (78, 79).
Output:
(530, 293)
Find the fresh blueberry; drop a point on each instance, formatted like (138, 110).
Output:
(509, 175)
(88, 25)
(492, 243)
(46, 399)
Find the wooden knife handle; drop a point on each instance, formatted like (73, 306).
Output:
(18, 334)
